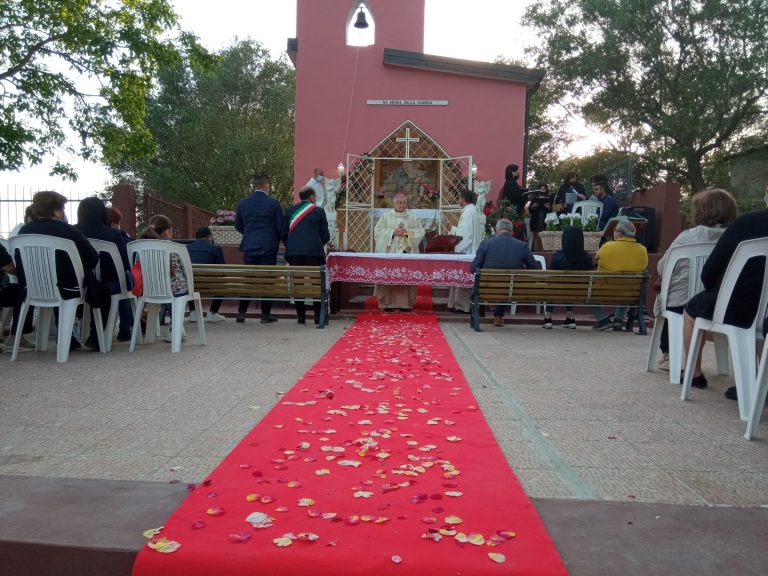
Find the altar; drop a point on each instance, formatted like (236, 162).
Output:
(421, 269)
(348, 272)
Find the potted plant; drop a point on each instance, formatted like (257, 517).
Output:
(223, 228)
(494, 213)
(551, 238)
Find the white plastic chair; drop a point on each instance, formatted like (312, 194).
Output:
(761, 390)
(7, 310)
(741, 341)
(587, 208)
(37, 253)
(155, 258)
(696, 255)
(540, 259)
(111, 249)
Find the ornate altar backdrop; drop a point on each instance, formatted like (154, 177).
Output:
(408, 160)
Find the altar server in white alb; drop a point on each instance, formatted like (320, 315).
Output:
(472, 233)
(397, 232)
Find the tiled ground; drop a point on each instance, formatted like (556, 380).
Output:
(577, 416)
(575, 412)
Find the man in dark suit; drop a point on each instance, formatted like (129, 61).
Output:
(305, 234)
(503, 251)
(204, 251)
(259, 219)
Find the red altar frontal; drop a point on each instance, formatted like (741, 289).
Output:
(422, 269)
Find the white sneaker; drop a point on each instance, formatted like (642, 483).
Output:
(215, 317)
(192, 316)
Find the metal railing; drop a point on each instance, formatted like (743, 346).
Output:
(15, 199)
(186, 217)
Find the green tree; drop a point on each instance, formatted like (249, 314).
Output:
(215, 125)
(84, 66)
(679, 78)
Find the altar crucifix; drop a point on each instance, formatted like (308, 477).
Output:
(407, 141)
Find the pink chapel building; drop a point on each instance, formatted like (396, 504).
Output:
(356, 100)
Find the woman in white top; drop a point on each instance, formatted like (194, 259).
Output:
(711, 211)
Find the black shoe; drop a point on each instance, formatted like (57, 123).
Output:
(618, 326)
(731, 393)
(74, 344)
(240, 317)
(268, 320)
(123, 335)
(91, 343)
(302, 321)
(547, 323)
(700, 382)
(569, 323)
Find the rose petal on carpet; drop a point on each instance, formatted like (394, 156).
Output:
(377, 462)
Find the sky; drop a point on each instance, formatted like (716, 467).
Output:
(479, 30)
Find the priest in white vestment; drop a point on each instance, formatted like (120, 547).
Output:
(397, 232)
(472, 232)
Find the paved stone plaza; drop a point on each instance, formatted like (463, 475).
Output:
(576, 414)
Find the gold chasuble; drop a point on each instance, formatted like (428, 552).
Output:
(387, 240)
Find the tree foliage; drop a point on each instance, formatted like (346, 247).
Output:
(216, 124)
(84, 66)
(679, 78)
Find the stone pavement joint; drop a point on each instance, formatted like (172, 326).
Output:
(563, 471)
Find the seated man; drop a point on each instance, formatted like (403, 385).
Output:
(204, 251)
(624, 254)
(503, 251)
(11, 296)
(604, 194)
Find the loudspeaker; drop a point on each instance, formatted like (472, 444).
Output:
(648, 236)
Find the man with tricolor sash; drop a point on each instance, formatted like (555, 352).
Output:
(305, 235)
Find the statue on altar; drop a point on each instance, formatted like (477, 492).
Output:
(397, 232)
(332, 187)
(482, 189)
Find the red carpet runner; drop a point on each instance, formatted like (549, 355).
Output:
(377, 462)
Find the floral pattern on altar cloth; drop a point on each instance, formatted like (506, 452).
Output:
(380, 270)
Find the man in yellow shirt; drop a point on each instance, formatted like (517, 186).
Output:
(624, 254)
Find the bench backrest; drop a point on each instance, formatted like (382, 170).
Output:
(559, 286)
(252, 281)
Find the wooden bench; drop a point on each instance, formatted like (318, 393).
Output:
(558, 288)
(251, 282)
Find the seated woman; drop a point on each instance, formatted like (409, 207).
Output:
(11, 296)
(92, 222)
(711, 211)
(47, 217)
(745, 298)
(571, 257)
(160, 227)
(125, 311)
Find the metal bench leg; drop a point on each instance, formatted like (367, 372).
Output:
(323, 313)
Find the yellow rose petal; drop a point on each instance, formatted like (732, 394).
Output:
(496, 557)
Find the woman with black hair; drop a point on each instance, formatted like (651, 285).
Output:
(511, 192)
(570, 191)
(572, 256)
(92, 222)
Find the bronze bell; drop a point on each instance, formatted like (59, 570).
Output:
(361, 22)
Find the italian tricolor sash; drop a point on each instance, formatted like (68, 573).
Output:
(298, 216)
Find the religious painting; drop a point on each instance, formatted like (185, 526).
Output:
(419, 180)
